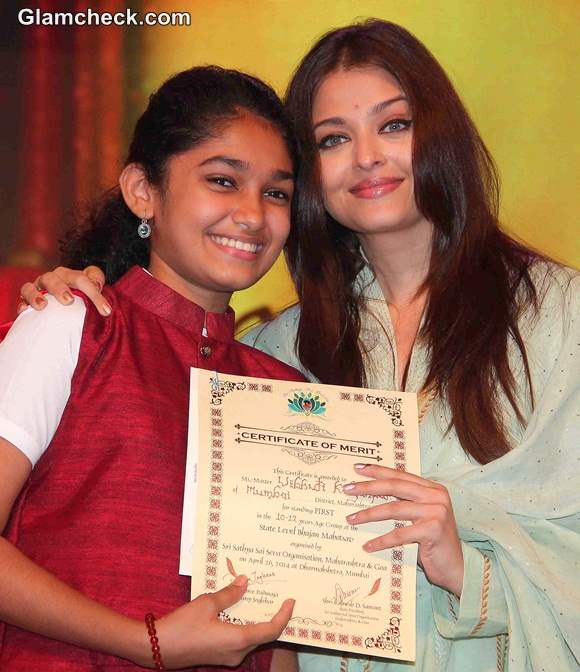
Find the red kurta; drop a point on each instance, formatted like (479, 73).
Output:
(102, 508)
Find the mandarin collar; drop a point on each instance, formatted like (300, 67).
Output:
(147, 292)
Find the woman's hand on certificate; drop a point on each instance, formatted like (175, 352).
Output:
(193, 634)
(427, 506)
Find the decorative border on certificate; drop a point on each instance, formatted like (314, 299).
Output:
(397, 553)
(400, 449)
(213, 526)
(389, 639)
(219, 389)
(297, 425)
(391, 405)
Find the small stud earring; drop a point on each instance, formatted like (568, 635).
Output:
(144, 229)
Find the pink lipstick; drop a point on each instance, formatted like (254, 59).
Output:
(376, 187)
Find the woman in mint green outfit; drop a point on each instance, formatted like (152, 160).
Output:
(407, 282)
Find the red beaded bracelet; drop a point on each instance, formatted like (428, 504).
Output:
(150, 622)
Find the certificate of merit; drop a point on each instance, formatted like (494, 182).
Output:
(267, 463)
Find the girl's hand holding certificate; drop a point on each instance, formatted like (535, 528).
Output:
(194, 631)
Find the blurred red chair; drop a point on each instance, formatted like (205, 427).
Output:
(11, 280)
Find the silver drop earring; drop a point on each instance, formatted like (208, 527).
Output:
(144, 229)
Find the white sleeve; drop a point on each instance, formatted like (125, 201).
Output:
(37, 362)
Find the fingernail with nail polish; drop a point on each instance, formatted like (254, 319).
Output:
(361, 466)
(106, 309)
(40, 301)
(348, 487)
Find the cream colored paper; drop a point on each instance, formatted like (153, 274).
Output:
(267, 462)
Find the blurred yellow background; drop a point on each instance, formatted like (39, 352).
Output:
(514, 63)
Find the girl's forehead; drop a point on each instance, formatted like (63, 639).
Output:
(245, 129)
(247, 142)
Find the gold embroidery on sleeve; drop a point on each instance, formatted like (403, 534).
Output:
(484, 596)
(501, 646)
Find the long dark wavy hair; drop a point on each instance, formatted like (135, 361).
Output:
(479, 280)
(188, 109)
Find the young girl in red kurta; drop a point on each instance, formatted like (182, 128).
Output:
(93, 412)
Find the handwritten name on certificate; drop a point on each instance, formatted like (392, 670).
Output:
(267, 464)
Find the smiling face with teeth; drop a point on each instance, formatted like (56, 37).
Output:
(224, 213)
